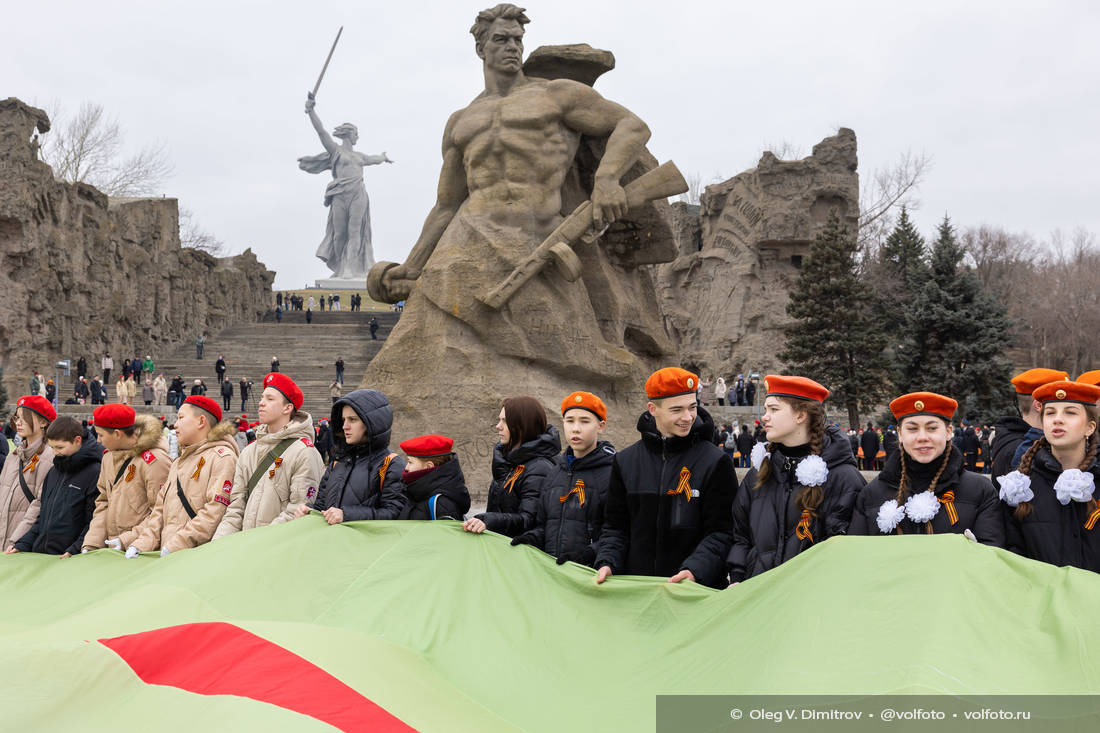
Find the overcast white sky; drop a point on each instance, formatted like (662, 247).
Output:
(1004, 95)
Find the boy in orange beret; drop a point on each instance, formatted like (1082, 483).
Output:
(570, 510)
(1014, 435)
(433, 479)
(671, 493)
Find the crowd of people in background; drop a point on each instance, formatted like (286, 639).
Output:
(331, 302)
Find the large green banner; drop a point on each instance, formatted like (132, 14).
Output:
(418, 625)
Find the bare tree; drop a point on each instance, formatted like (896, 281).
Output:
(888, 187)
(695, 189)
(89, 148)
(195, 237)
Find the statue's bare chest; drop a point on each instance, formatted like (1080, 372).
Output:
(524, 112)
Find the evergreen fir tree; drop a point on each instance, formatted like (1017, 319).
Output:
(903, 262)
(837, 339)
(959, 334)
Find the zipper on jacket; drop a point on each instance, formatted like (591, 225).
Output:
(561, 517)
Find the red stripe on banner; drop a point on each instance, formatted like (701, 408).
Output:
(223, 659)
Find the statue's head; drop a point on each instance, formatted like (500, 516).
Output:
(347, 131)
(498, 37)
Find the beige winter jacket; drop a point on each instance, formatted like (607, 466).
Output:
(205, 472)
(131, 390)
(17, 515)
(285, 485)
(124, 504)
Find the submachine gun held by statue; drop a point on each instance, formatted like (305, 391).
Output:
(659, 183)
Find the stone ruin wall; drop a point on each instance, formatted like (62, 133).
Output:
(82, 273)
(724, 297)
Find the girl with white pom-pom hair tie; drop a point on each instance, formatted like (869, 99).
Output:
(802, 485)
(924, 488)
(1051, 497)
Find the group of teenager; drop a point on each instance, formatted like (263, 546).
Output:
(669, 505)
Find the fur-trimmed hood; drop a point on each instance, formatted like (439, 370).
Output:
(151, 435)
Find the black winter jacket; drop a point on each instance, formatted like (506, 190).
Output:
(1008, 433)
(869, 442)
(745, 443)
(567, 529)
(511, 511)
(976, 503)
(765, 519)
(652, 529)
(446, 482)
(1052, 532)
(353, 481)
(68, 501)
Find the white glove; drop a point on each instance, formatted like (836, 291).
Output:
(132, 552)
(969, 535)
(84, 550)
(164, 551)
(115, 544)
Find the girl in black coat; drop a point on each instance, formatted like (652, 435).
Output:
(570, 512)
(522, 459)
(433, 480)
(924, 488)
(1052, 509)
(802, 486)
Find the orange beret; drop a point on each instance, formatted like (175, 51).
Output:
(1066, 391)
(800, 387)
(428, 446)
(670, 382)
(38, 403)
(114, 417)
(584, 401)
(1027, 382)
(1092, 378)
(923, 403)
(205, 403)
(285, 386)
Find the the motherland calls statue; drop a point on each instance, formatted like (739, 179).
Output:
(346, 248)
(524, 153)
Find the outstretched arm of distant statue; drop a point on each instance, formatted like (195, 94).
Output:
(589, 113)
(326, 139)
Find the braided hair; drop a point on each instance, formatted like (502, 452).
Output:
(809, 497)
(903, 481)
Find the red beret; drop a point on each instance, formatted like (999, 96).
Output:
(114, 417)
(1027, 382)
(38, 403)
(205, 403)
(286, 387)
(670, 382)
(924, 403)
(428, 446)
(800, 387)
(584, 401)
(1065, 391)
(1092, 378)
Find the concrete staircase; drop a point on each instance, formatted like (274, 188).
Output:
(307, 354)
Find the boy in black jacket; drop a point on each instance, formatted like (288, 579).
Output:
(570, 512)
(68, 494)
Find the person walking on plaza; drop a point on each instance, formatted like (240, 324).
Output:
(200, 342)
(340, 369)
(160, 389)
(334, 391)
(868, 443)
(373, 328)
(227, 393)
(147, 392)
(107, 364)
(219, 367)
(245, 389)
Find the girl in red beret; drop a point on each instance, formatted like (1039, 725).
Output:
(25, 471)
(924, 487)
(803, 483)
(1051, 496)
